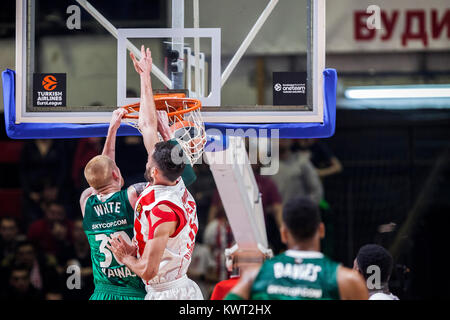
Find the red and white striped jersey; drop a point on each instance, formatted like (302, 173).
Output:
(177, 255)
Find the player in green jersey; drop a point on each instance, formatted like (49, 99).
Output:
(108, 212)
(302, 272)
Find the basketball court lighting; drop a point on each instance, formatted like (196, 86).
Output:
(398, 92)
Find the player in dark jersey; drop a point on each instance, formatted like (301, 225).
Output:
(108, 212)
(302, 272)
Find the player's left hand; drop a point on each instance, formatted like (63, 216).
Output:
(119, 248)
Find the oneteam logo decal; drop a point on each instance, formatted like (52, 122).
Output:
(49, 83)
(278, 87)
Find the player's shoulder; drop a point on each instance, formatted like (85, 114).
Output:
(139, 187)
(145, 193)
(350, 279)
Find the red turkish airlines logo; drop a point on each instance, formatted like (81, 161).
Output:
(49, 83)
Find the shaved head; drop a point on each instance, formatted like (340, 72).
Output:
(99, 172)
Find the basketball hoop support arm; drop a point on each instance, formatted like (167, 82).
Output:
(239, 193)
(111, 29)
(247, 41)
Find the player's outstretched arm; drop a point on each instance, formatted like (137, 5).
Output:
(351, 285)
(109, 149)
(148, 123)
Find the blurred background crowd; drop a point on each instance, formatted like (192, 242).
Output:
(41, 231)
(365, 194)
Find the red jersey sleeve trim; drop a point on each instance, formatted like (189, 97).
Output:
(180, 216)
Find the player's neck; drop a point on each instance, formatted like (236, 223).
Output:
(305, 246)
(163, 182)
(108, 189)
(384, 288)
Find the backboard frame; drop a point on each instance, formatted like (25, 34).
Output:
(263, 117)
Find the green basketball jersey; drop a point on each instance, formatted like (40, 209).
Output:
(102, 220)
(297, 275)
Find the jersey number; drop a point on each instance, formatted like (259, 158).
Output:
(190, 208)
(102, 248)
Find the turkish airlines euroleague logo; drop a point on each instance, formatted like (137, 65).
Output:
(49, 89)
(49, 83)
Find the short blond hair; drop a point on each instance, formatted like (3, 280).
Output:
(98, 171)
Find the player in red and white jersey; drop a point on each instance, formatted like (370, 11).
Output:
(174, 206)
(165, 215)
(165, 228)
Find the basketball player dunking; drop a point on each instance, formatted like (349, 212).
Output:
(166, 220)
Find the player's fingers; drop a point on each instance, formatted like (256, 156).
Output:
(133, 57)
(149, 53)
(161, 113)
(120, 239)
(118, 112)
(122, 112)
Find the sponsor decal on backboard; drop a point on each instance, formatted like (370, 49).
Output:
(289, 88)
(49, 90)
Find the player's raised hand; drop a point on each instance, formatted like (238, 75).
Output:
(163, 125)
(145, 64)
(116, 118)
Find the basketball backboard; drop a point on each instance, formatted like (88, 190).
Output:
(253, 61)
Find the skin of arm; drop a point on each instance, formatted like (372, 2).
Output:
(84, 196)
(134, 192)
(109, 149)
(148, 122)
(163, 125)
(334, 168)
(147, 266)
(351, 285)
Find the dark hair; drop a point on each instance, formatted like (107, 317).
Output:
(302, 218)
(162, 155)
(373, 254)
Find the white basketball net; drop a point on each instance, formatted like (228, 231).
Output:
(187, 129)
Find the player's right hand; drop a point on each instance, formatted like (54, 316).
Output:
(143, 66)
(163, 124)
(116, 118)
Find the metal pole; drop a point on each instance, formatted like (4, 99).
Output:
(111, 29)
(178, 42)
(197, 49)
